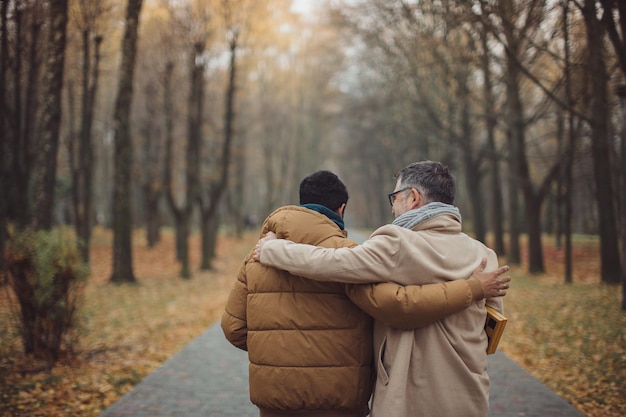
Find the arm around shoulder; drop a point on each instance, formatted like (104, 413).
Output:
(414, 306)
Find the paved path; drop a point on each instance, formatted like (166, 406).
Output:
(209, 377)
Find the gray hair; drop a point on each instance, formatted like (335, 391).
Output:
(432, 179)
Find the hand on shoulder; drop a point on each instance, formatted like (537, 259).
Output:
(259, 245)
(494, 285)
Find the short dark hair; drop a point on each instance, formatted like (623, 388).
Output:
(432, 179)
(325, 188)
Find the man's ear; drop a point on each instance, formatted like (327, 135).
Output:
(417, 199)
(342, 208)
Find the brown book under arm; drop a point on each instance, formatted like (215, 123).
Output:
(494, 327)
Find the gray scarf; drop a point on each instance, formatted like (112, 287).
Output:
(412, 218)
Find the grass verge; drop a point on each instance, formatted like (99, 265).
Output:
(570, 336)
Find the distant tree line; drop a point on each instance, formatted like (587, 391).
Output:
(202, 114)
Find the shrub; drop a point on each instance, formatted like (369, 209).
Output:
(46, 274)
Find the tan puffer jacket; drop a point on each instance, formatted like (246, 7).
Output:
(310, 347)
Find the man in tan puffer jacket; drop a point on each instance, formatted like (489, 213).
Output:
(309, 345)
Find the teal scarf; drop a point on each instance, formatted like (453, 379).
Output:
(326, 212)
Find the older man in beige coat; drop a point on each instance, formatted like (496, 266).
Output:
(437, 370)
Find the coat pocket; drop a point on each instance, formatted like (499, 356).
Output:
(383, 376)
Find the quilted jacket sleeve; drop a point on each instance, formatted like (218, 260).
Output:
(414, 306)
(234, 323)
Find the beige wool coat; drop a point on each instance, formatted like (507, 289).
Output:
(309, 346)
(439, 370)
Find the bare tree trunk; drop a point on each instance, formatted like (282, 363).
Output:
(152, 197)
(20, 166)
(621, 92)
(169, 155)
(209, 241)
(22, 119)
(83, 173)
(514, 256)
(471, 162)
(122, 213)
(619, 47)
(236, 207)
(534, 201)
(622, 95)
(216, 189)
(559, 200)
(87, 150)
(569, 163)
(518, 157)
(196, 106)
(600, 147)
(518, 148)
(182, 230)
(269, 176)
(152, 180)
(194, 137)
(4, 140)
(533, 226)
(53, 84)
(182, 242)
(496, 215)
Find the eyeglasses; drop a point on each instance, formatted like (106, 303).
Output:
(392, 196)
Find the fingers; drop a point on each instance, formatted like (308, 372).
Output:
(503, 285)
(481, 267)
(257, 249)
(494, 283)
(259, 245)
(504, 280)
(257, 252)
(502, 270)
